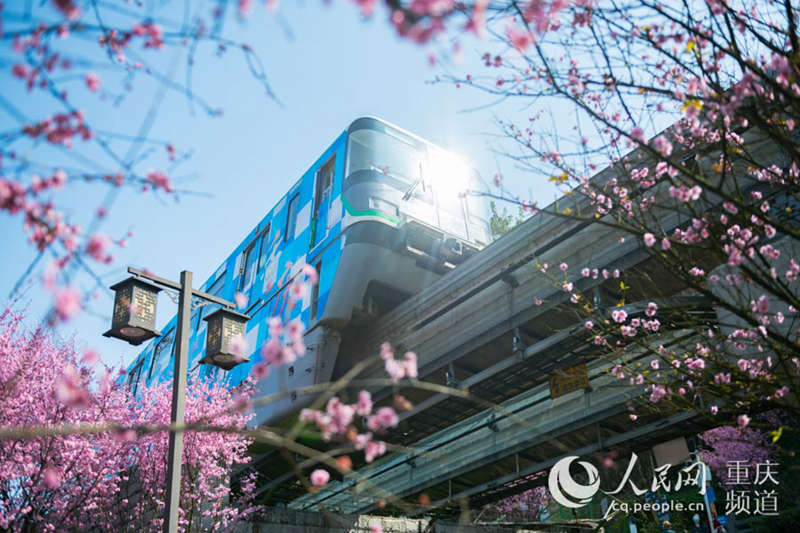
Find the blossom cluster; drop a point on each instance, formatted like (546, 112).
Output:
(117, 473)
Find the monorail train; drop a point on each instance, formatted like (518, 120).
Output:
(381, 214)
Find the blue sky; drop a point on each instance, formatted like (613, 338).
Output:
(327, 69)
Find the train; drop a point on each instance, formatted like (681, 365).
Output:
(380, 215)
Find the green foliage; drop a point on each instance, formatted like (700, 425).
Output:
(502, 223)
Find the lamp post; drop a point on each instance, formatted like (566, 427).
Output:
(133, 321)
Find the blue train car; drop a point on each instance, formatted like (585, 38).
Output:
(380, 215)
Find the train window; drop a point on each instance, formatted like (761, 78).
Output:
(291, 217)
(388, 152)
(322, 195)
(315, 292)
(325, 177)
(134, 375)
(246, 265)
(263, 247)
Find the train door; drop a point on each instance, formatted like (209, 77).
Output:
(322, 197)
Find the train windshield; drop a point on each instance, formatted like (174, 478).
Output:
(420, 180)
(386, 151)
(448, 174)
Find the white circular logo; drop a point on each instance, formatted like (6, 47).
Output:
(565, 490)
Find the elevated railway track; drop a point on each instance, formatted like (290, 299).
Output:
(500, 325)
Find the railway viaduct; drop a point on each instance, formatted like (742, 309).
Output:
(479, 329)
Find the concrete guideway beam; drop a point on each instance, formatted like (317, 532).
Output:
(485, 438)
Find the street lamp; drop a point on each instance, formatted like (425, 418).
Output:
(225, 330)
(134, 319)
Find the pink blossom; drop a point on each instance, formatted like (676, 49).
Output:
(159, 180)
(649, 239)
(67, 303)
(93, 81)
(385, 417)
(387, 351)
(619, 315)
(299, 347)
(364, 407)
(760, 306)
(58, 179)
(367, 7)
(70, 388)
(374, 449)
(722, 378)
(238, 346)
(696, 364)
(320, 477)
(657, 393)
(395, 369)
(410, 365)
(52, 478)
(241, 300)
(297, 290)
(275, 325)
(272, 352)
(20, 71)
(260, 371)
(663, 145)
(341, 414)
(68, 8)
(245, 8)
(743, 421)
(90, 357)
(98, 246)
(794, 270)
(288, 355)
(519, 38)
(310, 273)
(295, 330)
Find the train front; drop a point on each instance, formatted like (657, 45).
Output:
(411, 214)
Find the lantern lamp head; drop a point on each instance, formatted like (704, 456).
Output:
(225, 346)
(134, 318)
